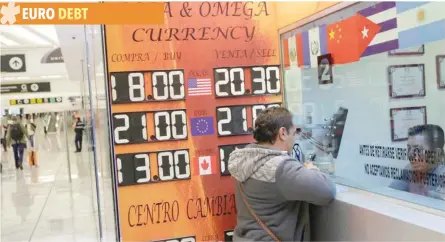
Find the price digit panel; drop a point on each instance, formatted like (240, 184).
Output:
(141, 127)
(245, 81)
(239, 120)
(147, 86)
(183, 239)
(163, 166)
(224, 153)
(228, 236)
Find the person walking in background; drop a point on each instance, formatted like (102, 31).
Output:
(16, 137)
(79, 126)
(30, 129)
(46, 120)
(273, 190)
(45, 129)
(3, 131)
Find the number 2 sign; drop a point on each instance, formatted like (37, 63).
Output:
(325, 69)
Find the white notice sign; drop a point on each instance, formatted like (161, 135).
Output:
(404, 118)
(407, 81)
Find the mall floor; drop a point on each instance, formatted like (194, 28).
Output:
(41, 204)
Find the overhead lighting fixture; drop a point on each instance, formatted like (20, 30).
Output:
(7, 41)
(47, 30)
(22, 33)
(53, 76)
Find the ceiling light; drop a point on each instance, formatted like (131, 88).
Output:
(47, 30)
(7, 41)
(54, 76)
(22, 33)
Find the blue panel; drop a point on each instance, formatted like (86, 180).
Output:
(423, 34)
(405, 6)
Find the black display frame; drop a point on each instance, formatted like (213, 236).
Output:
(244, 105)
(220, 160)
(148, 138)
(151, 82)
(248, 93)
(155, 179)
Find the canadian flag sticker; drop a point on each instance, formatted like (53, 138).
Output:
(206, 166)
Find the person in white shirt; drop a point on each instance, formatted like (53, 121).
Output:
(31, 130)
(3, 129)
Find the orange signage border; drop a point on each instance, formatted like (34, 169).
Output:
(83, 13)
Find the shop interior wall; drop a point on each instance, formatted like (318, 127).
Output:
(291, 12)
(362, 87)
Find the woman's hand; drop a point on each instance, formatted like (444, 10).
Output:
(310, 165)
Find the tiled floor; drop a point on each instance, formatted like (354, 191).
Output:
(41, 204)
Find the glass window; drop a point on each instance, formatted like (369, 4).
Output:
(367, 86)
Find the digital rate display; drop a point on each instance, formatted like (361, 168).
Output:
(146, 86)
(224, 153)
(242, 81)
(130, 128)
(239, 120)
(140, 168)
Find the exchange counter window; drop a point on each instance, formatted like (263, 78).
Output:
(367, 86)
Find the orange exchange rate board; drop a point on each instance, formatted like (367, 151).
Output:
(183, 96)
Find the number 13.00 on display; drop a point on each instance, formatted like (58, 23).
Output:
(161, 166)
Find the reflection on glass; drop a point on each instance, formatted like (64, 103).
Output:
(425, 175)
(379, 125)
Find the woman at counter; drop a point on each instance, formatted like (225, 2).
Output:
(273, 189)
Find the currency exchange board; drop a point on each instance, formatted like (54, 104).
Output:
(182, 97)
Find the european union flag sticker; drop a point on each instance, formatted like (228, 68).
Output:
(202, 126)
